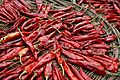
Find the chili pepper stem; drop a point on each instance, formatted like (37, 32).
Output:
(22, 74)
(46, 78)
(21, 59)
(20, 32)
(63, 72)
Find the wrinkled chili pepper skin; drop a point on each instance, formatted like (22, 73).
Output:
(89, 65)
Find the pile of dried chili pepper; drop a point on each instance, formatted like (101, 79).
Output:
(50, 43)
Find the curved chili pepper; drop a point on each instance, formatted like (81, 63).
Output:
(81, 24)
(36, 19)
(86, 77)
(68, 71)
(30, 45)
(15, 26)
(22, 52)
(74, 70)
(44, 59)
(57, 14)
(85, 27)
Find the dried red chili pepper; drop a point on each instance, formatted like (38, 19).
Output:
(11, 54)
(5, 64)
(58, 73)
(48, 70)
(11, 77)
(81, 24)
(68, 71)
(86, 77)
(74, 70)
(30, 45)
(75, 44)
(85, 27)
(10, 37)
(93, 66)
(85, 37)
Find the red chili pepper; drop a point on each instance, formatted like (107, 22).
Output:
(5, 64)
(78, 19)
(13, 11)
(81, 24)
(92, 66)
(48, 70)
(15, 26)
(71, 55)
(86, 77)
(54, 75)
(28, 69)
(20, 7)
(57, 14)
(35, 14)
(36, 19)
(10, 37)
(35, 34)
(22, 52)
(25, 4)
(110, 66)
(39, 5)
(111, 58)
(38, 72)
(85, 37)
(44, 59)
(11, 77)
(6, 16)
(54, 27)
(45, 38)
(75, 71)
(58, 73)
(30, 45)
(75, 44)
(110, 38)
(11, 54)
(58, 54)
(4, 11)
(85, 27)
(65, 15)
(68, 71)
(116, 8)
(100, 46)
(33, 26)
